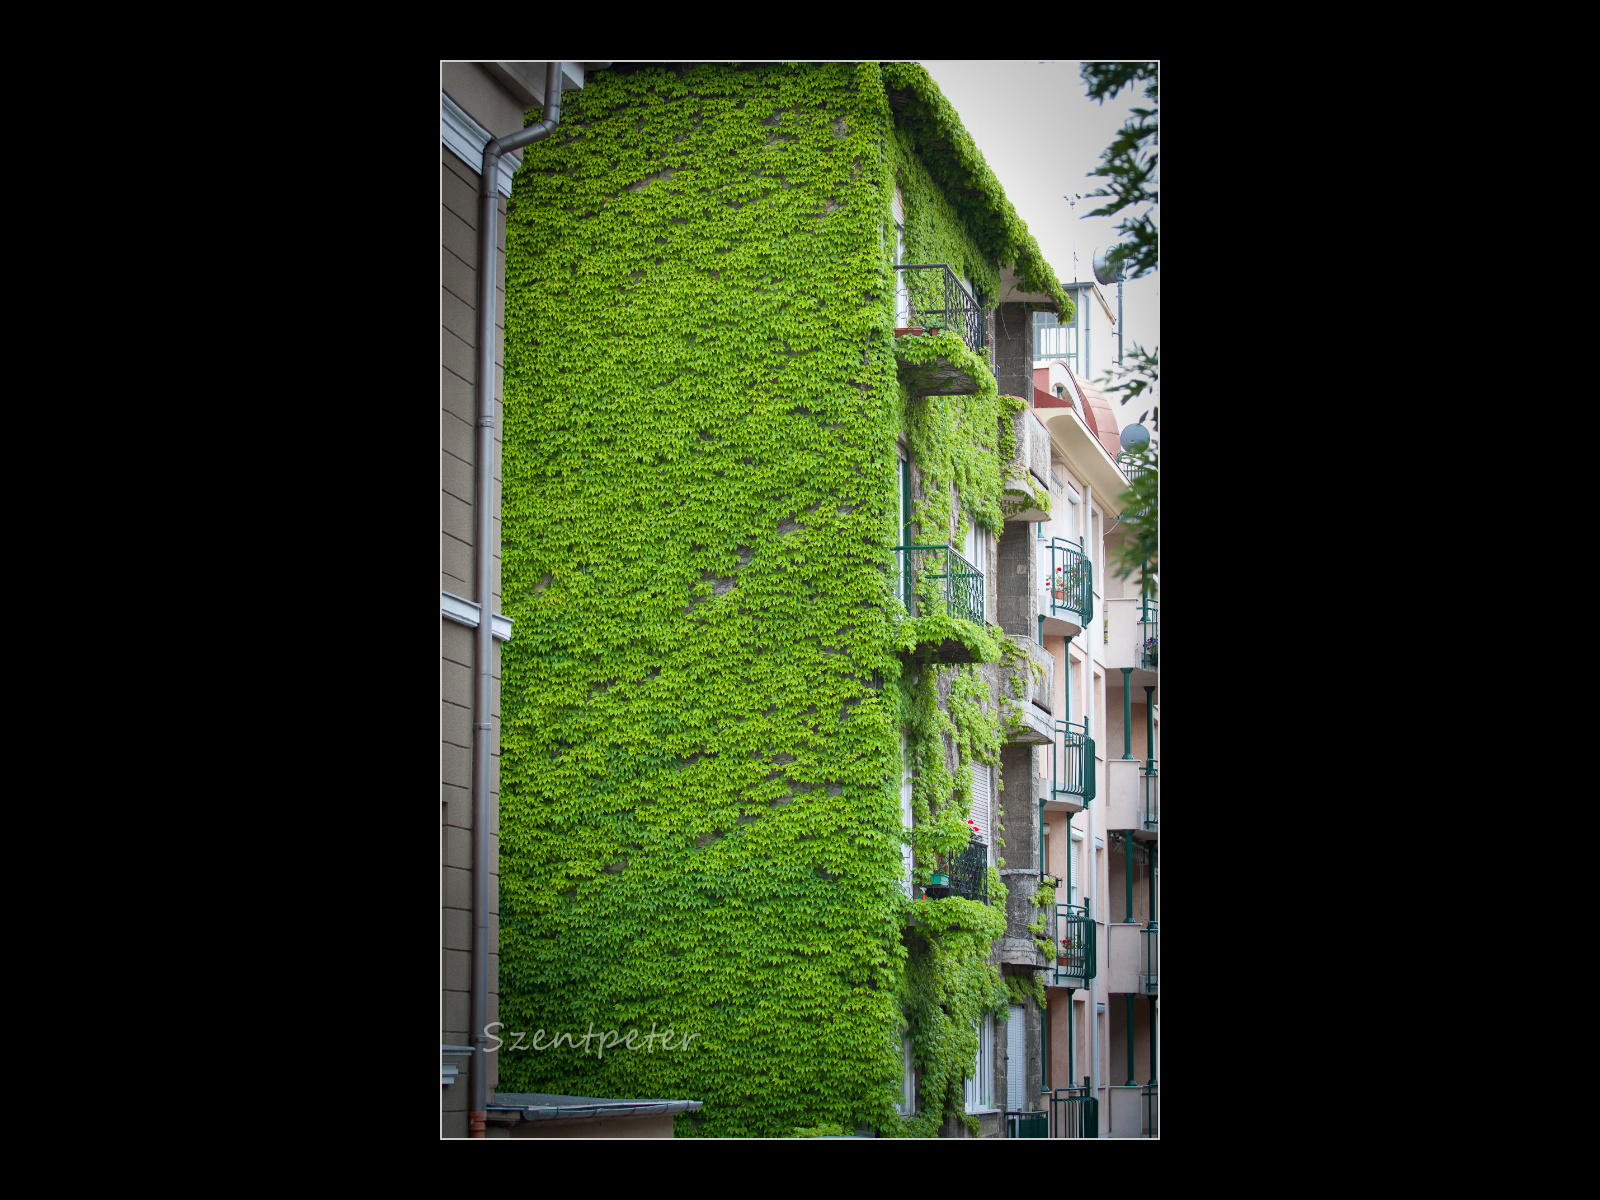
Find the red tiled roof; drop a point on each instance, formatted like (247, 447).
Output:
(1102, 418)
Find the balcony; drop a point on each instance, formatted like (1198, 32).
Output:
(935, 300)
(1150, 964)
(1150, 786)
(969, 873)
(1069, 590)
(1028, 472)
(1073, 768)
(1133, 639)
(1125, 956)
(1133, 799)
(1073, 932)
(1131, 467)
(1032, 698)
(956, 581)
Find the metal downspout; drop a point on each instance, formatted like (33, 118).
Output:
(482, 719)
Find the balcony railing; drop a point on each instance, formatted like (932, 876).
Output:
(1133, 467)
(969, 873)
(1074, 1113)
(1149, 633)
(1152, 796)
(1150, 964)
(1073, 933)
(958, 581)
(1027, 1124)
(959, 312)
(1070, 583)
(1074, 762)
(1152, 1110)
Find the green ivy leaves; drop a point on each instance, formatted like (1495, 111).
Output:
(702, 706)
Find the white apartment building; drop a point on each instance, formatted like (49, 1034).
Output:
(1097, 784)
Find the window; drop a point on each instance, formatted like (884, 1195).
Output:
(982, 786)
(1057, 341)
(980, 1082)
(1016, 1059)
(908, 1078)
(1073, 872)
(907, 855)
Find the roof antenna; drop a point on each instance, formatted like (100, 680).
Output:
(1072, 203)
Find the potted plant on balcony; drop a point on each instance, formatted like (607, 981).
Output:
(1150, 652)
(1064, 957)
(1058, 585)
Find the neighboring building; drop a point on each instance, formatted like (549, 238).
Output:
(768, 552)
(479, 101)
(1107, 671)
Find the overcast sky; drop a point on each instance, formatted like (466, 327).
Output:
(1041, 137)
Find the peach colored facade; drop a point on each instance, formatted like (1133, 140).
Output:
(1107, 673)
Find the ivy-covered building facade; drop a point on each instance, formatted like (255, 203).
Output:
(778, 706)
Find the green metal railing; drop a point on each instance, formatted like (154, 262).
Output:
(1152, 1111)
(1072, 931)
(1073, 751)
(1150, 976)
(1070, 582)
(1074, 1113)
(1028, 1124)
(1152, 796)
(960, 583)
(1149, 634)
(969, 873)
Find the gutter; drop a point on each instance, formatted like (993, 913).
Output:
(482, 720)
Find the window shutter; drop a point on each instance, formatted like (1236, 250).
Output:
(907, 855)
(1016, 1058)
(982, 784)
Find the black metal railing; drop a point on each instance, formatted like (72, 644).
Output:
(958, 310)
(969, 873)
(960, 582)
(1152, 1111)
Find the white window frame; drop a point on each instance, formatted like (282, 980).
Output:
(907, 819)
(908, 1078)
(979, 1086)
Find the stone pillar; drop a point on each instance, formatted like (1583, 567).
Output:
(1013, 350)
(1017, 582)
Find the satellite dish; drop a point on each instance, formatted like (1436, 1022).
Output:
(1135, 438)
(1103, 270)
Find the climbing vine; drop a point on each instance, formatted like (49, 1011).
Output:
(703, 699)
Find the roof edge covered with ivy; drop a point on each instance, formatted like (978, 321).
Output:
(953, 158)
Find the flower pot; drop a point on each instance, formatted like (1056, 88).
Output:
(913, 330)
